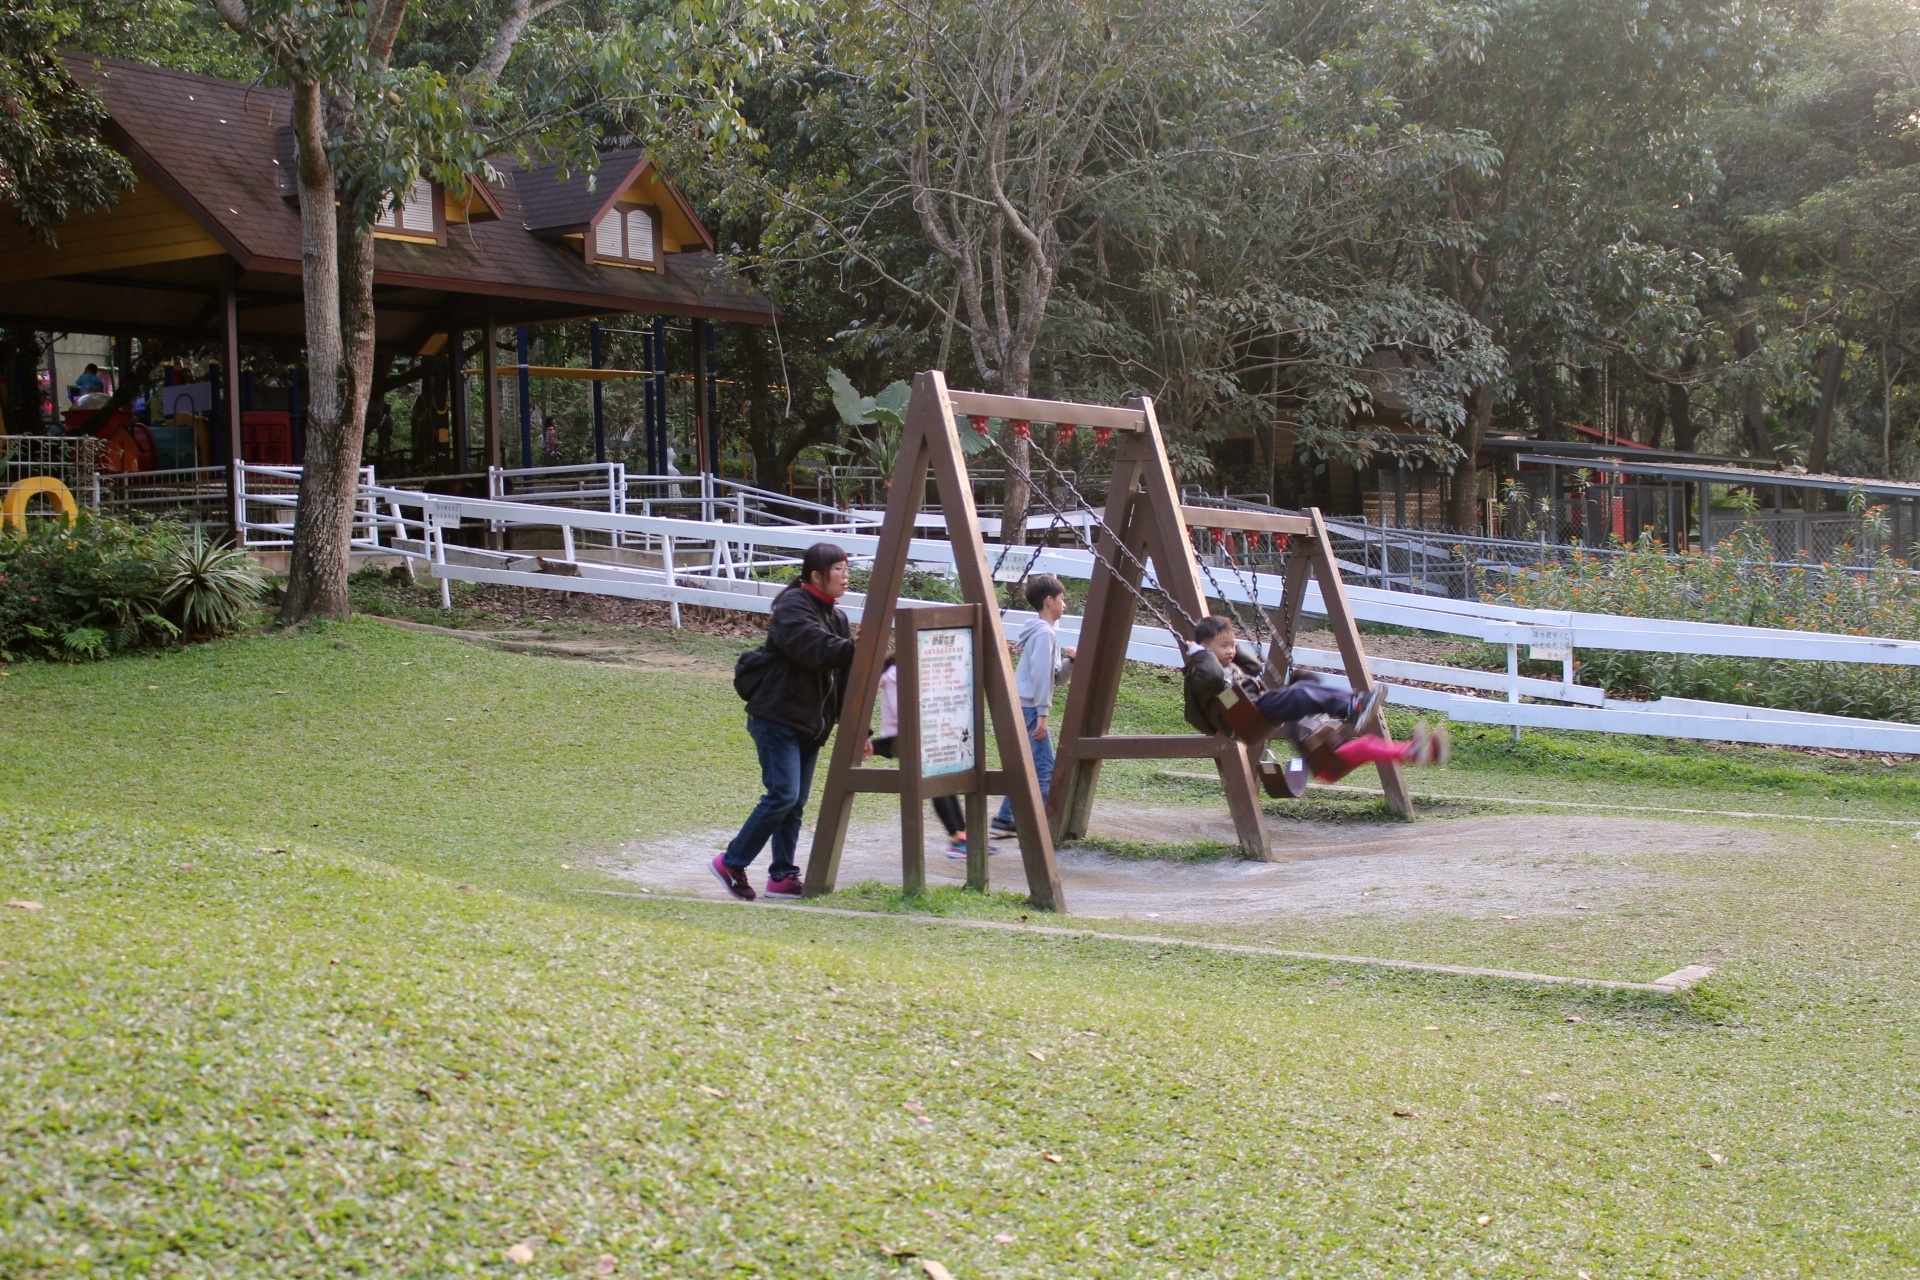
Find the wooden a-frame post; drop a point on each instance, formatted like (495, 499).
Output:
(931, 442)
(1143, 509)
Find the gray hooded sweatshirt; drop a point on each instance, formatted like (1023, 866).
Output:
(1040, 665)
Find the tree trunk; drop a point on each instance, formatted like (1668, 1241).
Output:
(1829, 379)
(1753, 416)
(317, 576)
(1463, 494)
(1013, 516)
(1823, 411)
(1546, 407)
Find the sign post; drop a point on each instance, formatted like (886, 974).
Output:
(943, 721)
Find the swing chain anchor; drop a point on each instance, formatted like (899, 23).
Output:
(1065, 430)
(1101, 435)
(978, 422)
(1021, 428)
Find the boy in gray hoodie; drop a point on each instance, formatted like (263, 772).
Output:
(1042, 663)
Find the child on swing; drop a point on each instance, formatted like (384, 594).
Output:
(946, 808)
(1218, 659)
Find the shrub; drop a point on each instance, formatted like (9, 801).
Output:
(210, 586)
(1736, 584)
(102, 585)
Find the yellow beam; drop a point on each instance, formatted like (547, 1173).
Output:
(563, 371)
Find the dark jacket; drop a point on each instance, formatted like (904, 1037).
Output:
(1205, 678)
(812, 645)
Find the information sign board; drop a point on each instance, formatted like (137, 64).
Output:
(946, 701)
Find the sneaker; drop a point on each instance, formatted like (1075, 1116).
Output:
(1441, 745)
(785, 887)
(1364, 707)
(1419, 745)
(734, 880)
(999, 832)
(957, 846)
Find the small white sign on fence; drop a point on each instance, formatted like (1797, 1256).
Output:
(1015, 563)
(946, 701)
(1551, 644)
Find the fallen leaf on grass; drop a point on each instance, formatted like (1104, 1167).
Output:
(833, 988)
(521, 1253)
(901, 1254)
(1036, 1055)
(710, 1091)
(422, 1091)
(977, 1034)
(186, 866)
(604, 1264)
(934, 1270)
(23, 904)
(1574, 1017)
(1509, 917)
(1483, 1219)
(1552, 1098)
(1429, 1027)
(1049, 1157)
(914, 1107)
(953, 1064)
(1003, 1238)
(1717, 1158)
(1404, 1115)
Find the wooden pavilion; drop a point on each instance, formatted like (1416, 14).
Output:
(207, 246)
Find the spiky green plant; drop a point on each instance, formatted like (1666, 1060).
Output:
(210, 585)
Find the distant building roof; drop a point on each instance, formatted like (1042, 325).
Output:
(210, 161)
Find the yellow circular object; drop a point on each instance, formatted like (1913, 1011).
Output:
(13, 508)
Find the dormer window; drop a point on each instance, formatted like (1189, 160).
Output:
(418, 215)
(627, 235)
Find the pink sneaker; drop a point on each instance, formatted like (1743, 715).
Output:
(787, 888)
(735, 881)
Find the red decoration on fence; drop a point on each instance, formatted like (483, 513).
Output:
(1102, 434)
(1021, 428)
(979, 421)
(1066, 431)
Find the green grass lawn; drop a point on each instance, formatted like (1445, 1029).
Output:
(311, 993)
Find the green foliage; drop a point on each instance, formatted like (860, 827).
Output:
(80, 591)
(209, 586)
(1735, 584)
(52, 161)
(102, 586)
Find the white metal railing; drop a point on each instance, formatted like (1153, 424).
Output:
(725, 563)
(265, 499)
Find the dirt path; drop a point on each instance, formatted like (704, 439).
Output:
(1526, 864)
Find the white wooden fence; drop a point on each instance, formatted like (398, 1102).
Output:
(735, 564)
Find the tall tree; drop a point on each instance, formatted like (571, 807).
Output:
(1592, 106)
(367, 127)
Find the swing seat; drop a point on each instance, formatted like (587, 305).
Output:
(1317, 747)
(1243, 717)
(1284, 779)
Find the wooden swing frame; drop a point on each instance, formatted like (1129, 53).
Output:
(930, 444)
(1144, 511)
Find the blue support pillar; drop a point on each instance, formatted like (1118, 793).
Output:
(659, 380)
(599, 399)
(526, 399)
(709, 391)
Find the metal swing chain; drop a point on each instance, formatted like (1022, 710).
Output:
(1221, 594)
(1119, 543)
(1027, 477)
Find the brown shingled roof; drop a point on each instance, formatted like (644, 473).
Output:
(211, 144)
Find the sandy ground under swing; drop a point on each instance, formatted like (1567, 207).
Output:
(1525, 864)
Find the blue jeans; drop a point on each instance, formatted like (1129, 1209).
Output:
(786, 771)
(1042, 765)
(1305, 698)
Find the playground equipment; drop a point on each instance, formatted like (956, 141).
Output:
(931, 443)
(13, 508)
(1145, 522)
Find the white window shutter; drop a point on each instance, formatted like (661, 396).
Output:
(606, 236)
(639, 235)
(389, 218)
(417, 213)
